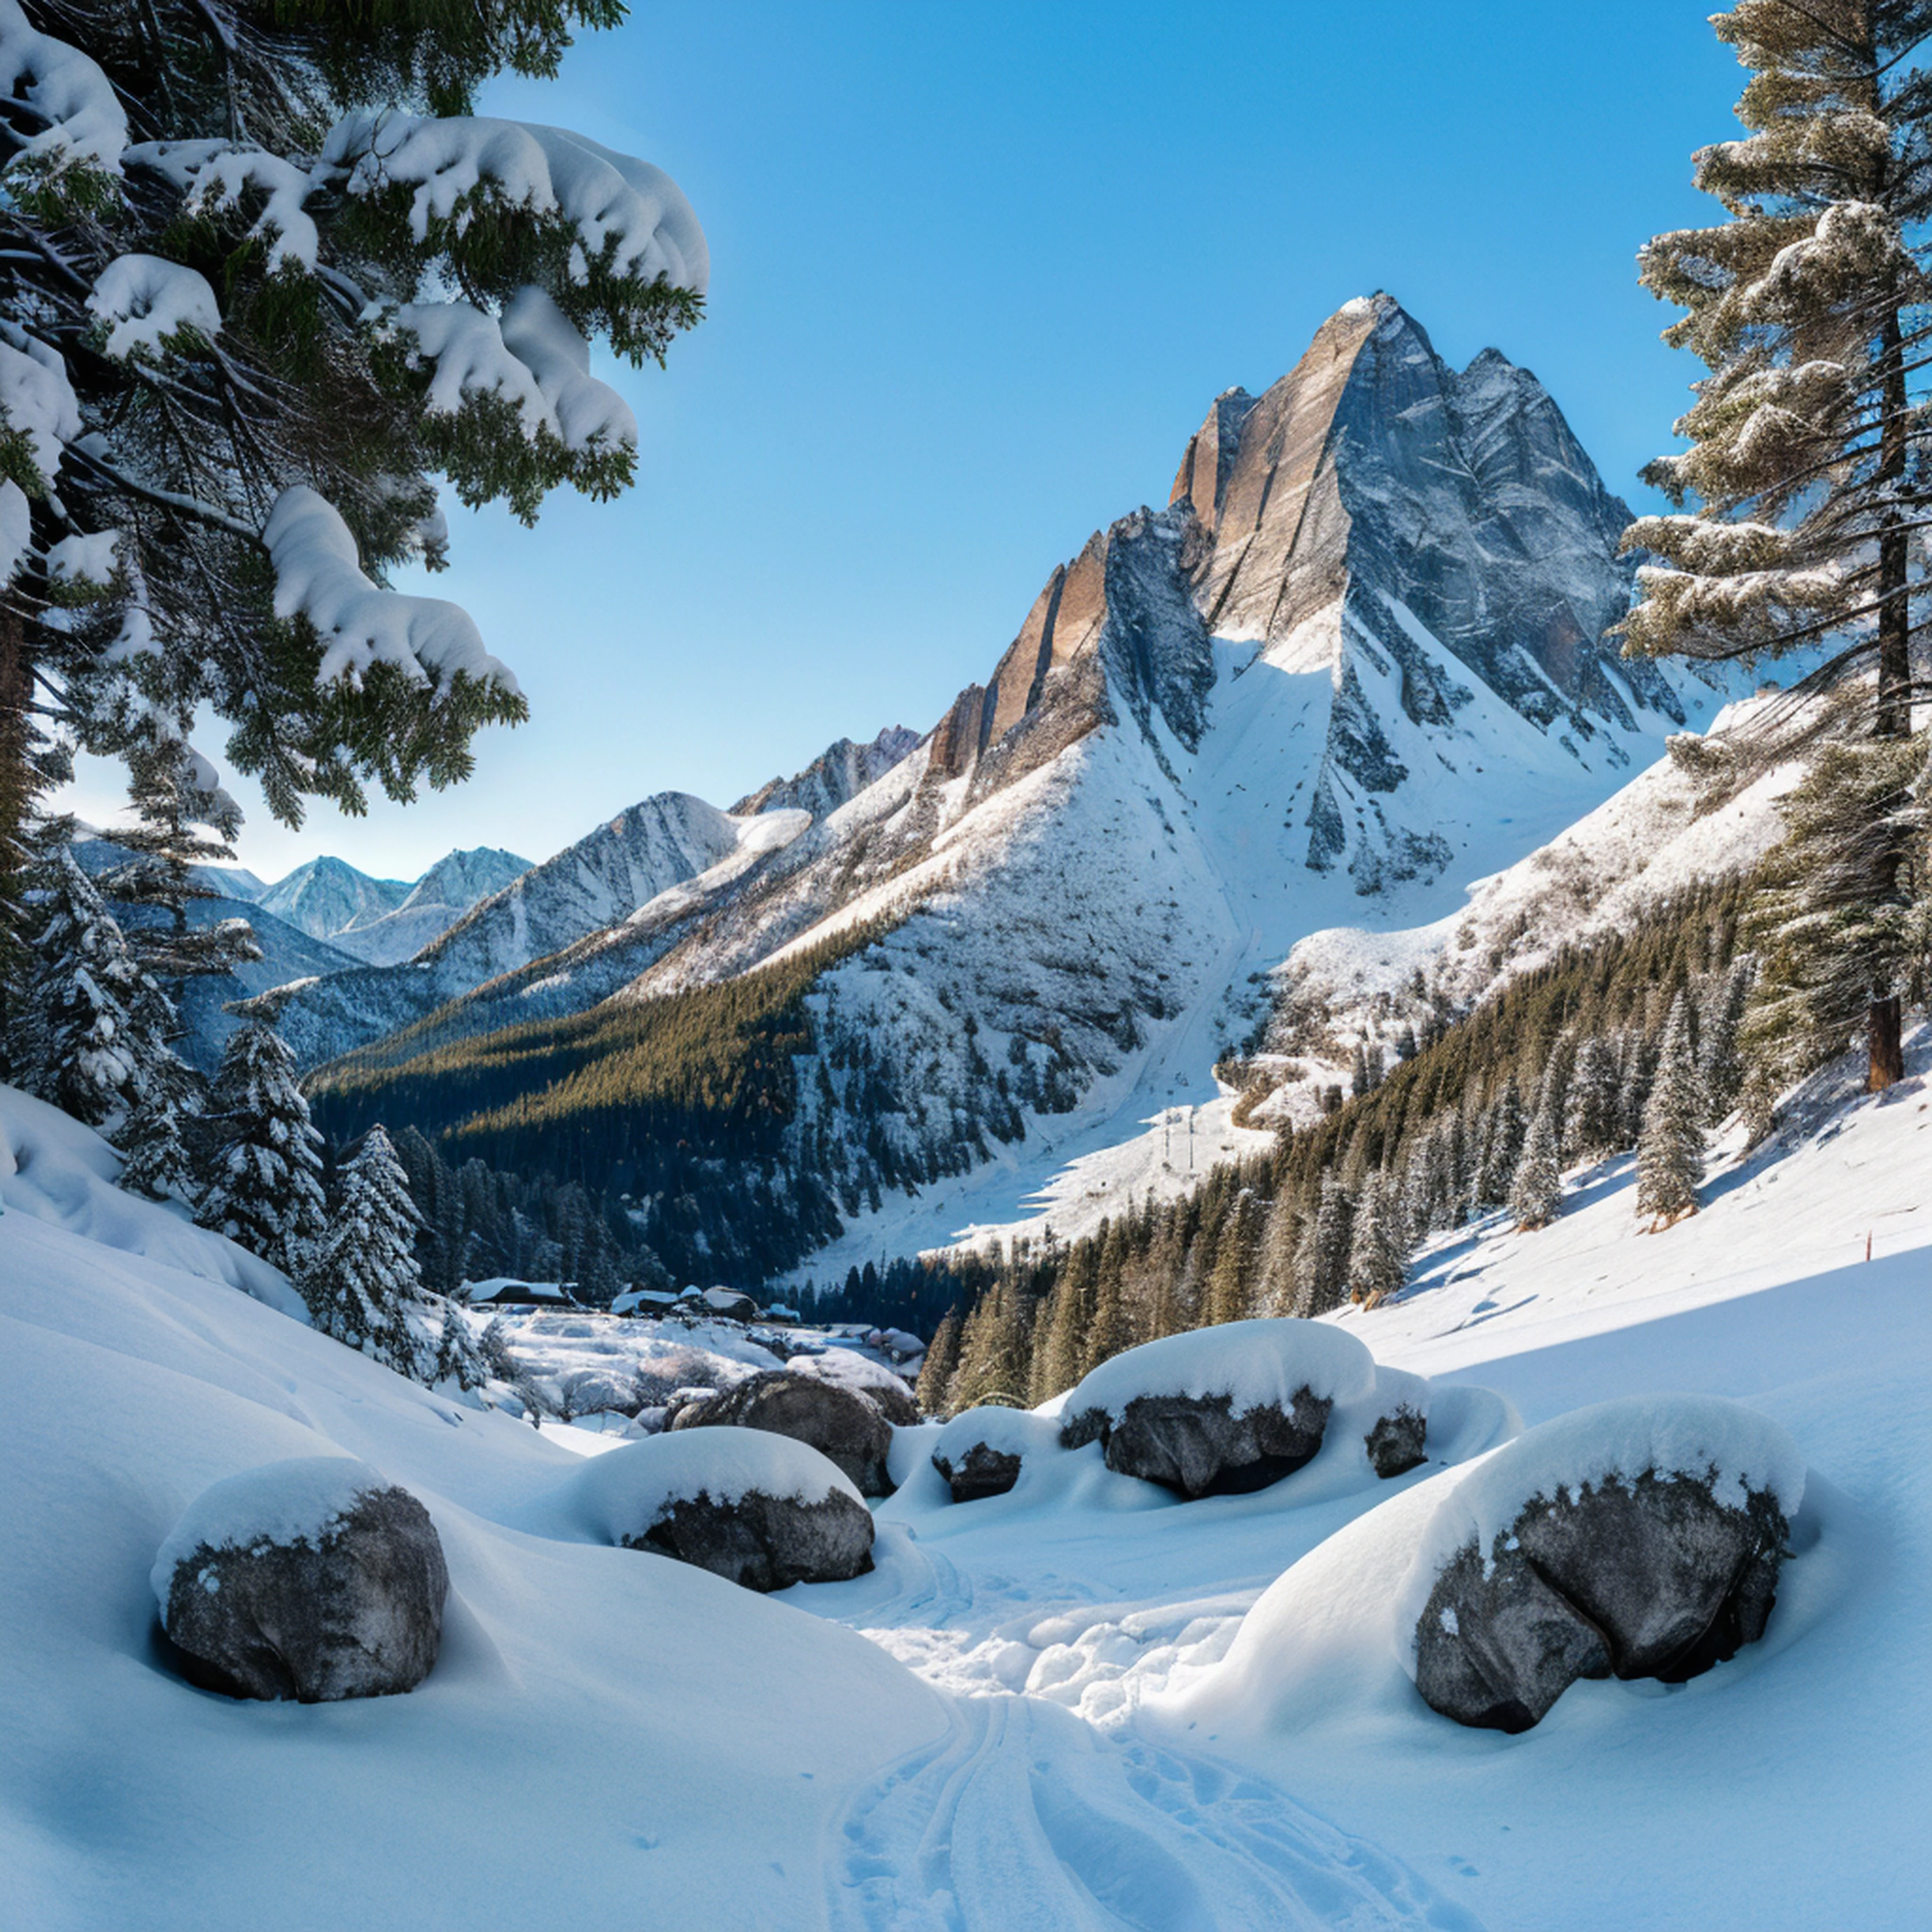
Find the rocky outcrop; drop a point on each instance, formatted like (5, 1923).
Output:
(977, 1472)
(840, 1424)
(1200, 1446)
(838, 775)
(1649, 1576)
(313, 1581)
(1395, 1444)
(763, 1542)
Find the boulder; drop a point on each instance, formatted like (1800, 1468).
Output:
(316, 1579)
(1534, 1581)
(1395, 1443)
(757, 1508)
(840, 1424)
(979, 1471)
(1200, 1446)
(765, 1543)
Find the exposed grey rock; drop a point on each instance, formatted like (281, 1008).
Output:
(981, 1471)
(840, 773)
(1197, 1445)
(1646, 1579)
(839, 1423)
(763, 1542)
(1395, 1444)
(356, 1612)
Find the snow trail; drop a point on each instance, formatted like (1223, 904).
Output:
(1023, 1816)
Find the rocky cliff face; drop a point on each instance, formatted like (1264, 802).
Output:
(1354, 662)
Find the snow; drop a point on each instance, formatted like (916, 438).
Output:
(318, 576)
(848, 1366)
(1735, 1451)
(1255, 1364)
(36, 397)
(1085, 1702)
(214, 176)
(145, 302)
(623, 1492)
(16, 529)
(628, 214)
(1011, 1432)
(295, 1502)
(84, 560)
(83, 122)
(533, 359)
(54, 1170)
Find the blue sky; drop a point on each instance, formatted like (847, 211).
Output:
(977, 272)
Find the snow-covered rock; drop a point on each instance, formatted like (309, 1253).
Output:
(1632, 1538)
(838, 1422)
(316, 1580)
(981, 1452)
(762, 1511)
(1218, 1410)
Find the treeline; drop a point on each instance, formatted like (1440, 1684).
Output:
(1562, 1065)
(668, 1115)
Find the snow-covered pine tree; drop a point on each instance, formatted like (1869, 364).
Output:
(82, 1035)
(1322, 1266)
(1720, 1059)
(993, 1366)
(1808, 437)
(458, 1357)
(1536, 1196)
(1234, 1261)
(1377, 1242)
(267, 278)
(1670, 1151)
(1058, 1332)
(1842, 915)
(1281, 1236)
(184, 820)
(1593, 1123)
(1502, 1146)
(261, 1175)
(935, 1373)
(361, 1283)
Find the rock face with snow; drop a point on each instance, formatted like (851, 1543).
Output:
(1219, 1411)
(754, 1507)
(315, 1580)
(977, 1472)
(442, 896)
(1632, 1540)
(838, 1422)
(1355, 660)
(328, 895)
(836, 776)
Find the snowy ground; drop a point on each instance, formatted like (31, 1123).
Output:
(1119, 1709)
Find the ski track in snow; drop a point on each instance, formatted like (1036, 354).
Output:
(1022, 1815)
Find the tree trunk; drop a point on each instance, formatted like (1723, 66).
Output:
(1888, 1050)
(1891, 716)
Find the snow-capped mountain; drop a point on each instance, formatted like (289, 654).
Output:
(382, 921)
(327, 896)
(1354, 662)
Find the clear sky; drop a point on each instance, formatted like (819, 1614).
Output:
(977, 273)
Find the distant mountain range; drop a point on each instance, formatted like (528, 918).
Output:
(381, 921)
(1356, 662)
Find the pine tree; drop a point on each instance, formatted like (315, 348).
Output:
(1536, 1197)
(361, 1283)
(1057, 1339)
(1234, 1260)
(1322, 1265)
(1670, 1152)
(76, 1041)
(1593, 1123)
(1502, 1147)
(261, 1183)
(1720, 1059)
(1843, 913)
(1808, 437)
(458, 1358)
(992, 1353)
(1281, 1236)
(1378, 1243)
(267, 280)
(936, 1371)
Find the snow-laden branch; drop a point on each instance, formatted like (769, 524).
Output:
(318, 576)
(614, 203)
(214, 176)
(85, 124)
(146, 300)
(36, 400)
(535, 359)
